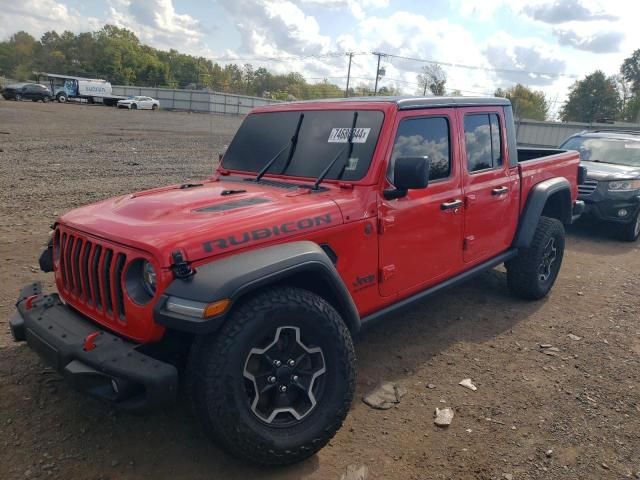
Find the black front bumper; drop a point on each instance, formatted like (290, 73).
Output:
(106, 367)
(605, 205)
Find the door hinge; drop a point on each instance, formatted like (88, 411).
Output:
(387, 272)
(384, 223)
(467, 243)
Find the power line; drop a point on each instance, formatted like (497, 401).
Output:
(477, 67)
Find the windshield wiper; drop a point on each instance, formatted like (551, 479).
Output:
(291, 143)
(349, 146)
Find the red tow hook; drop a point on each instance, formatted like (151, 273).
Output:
(88, 341)
(28, 302)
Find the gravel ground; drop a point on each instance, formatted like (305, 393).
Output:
(569, 412)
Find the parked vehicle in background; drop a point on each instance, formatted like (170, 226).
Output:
(27, 91)
(611, 189)
(322, 218)
(139, 103)
(91, 90)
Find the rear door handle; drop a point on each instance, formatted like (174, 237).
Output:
(452, 204)
(499, 191)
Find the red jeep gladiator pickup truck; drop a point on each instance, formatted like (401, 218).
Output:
(321, 218)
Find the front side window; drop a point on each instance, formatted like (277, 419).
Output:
(424, 137)
(482, 141)
(323, 135)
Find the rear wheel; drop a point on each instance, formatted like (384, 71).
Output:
(275, 383)
(629, 232)
(534, 271)
(18, 97)
(61, 98)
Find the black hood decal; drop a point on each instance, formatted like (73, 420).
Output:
(244, 202)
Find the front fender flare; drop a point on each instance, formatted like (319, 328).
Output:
(235, 276)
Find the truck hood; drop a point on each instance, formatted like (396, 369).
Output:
(610, 171)
(206, 219)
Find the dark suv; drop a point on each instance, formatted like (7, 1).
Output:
(28, 91)
(611, 190)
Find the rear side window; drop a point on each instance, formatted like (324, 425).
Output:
(424, 137)
(482, 140)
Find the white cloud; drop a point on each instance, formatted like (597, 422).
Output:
(158, 23)
(39, 16)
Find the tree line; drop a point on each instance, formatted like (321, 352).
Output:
(118, 55)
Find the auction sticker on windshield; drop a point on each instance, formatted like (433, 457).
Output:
(341, 135)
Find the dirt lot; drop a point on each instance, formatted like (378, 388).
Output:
(573, 413)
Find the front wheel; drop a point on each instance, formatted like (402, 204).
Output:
(134, 107)
(629, 232)
(62, 98)
(154, 107)
(45, 99)
(534, 271)
(18, 97)
(275, 383)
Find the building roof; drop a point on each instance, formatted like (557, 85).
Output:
(409, 102)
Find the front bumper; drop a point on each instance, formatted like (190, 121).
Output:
(95, 361)
(607, 208)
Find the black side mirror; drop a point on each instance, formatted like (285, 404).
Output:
(409, 173)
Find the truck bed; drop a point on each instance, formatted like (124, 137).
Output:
(539, 164)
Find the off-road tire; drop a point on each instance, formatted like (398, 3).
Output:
(524, 271)
(629, 232)
(216, 384)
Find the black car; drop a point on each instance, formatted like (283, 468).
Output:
(611, 190)
(27, 91)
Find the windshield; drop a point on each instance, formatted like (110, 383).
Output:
(322, 135)
(621, 151)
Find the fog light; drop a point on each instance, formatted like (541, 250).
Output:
(622, 212)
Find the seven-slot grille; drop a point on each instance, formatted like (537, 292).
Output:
(92, 273)
(588, 187)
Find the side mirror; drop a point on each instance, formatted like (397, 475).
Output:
(409, 173)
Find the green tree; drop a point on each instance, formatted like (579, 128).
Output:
(527, 103)
(630, 70)
(433, 78)
(595, 98)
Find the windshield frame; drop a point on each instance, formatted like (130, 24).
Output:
(610, 139)
(371, 177)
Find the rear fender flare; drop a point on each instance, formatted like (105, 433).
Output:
(536, 202)
(239, 275)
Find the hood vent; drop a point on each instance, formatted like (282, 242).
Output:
(244, 202)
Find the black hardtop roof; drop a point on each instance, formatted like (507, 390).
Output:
(409, 102)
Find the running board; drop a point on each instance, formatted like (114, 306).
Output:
(369, 320)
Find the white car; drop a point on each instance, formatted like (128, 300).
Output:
(139, 102)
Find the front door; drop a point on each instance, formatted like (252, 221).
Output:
(491, 188)
(421, 233)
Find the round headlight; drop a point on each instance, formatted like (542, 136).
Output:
(149, 278)
(141, 281)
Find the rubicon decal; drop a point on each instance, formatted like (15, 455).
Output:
(285, 228)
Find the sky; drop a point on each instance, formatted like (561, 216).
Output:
(481, 45)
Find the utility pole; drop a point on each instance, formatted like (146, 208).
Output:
(346, 90)
(375, 89)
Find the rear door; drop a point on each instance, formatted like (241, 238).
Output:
(420, 241)
(490, 186)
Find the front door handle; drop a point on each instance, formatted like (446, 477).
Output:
(499, 191)
(452, 204)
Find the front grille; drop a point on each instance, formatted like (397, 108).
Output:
(92, 273)
(588, 187)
